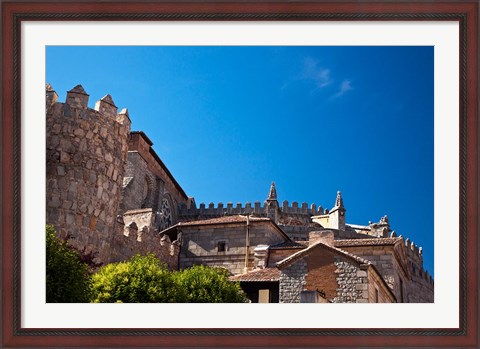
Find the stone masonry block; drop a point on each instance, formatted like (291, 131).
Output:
(361, 287)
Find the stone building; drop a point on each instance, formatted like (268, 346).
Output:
(110, 194)
(100, 175)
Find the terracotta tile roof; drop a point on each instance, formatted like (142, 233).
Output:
(367, 242)
(224, 219)
(288, 244)
(259, 275)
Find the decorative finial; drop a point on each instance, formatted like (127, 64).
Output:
(272, 194)
(339, 200)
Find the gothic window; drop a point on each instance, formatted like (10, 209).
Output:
(146, 192)
(165, 214)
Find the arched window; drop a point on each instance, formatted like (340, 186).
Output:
(165, 214)
(147, 189)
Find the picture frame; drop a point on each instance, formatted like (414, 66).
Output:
(16, 12)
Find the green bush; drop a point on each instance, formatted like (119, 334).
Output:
(209, 285)
(68, 280)
(142, 279)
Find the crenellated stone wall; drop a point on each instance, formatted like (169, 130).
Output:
(140, 237)
(288, 214)
(86, 153)
(87, 172)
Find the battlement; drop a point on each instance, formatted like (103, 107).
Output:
(303, 209)
(415, 254)
(413, 251)
(76, 105)
(229, 208)
(141, 237)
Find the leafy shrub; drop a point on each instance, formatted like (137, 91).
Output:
(209, 285)
(68, 280)
(142, 279)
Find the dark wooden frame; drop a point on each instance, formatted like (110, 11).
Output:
(14, 12)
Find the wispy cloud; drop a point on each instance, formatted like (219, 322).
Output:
(344, 88)
(314, 72)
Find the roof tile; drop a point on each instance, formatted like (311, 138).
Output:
(258, 275)
(224, 219)
(367, 242)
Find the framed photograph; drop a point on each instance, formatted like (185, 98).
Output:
(45, 39)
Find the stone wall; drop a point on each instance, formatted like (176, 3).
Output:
(409, 284)
(144, 241)
(420, 289)
(136, 174)
(86, 152)
(149, 184)
(352, 282)
(200, 244)
(211, 211)
(276, 255)
(378, 292)
(292, 282)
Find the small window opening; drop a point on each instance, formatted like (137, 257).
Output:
(376, 295)
(221, 246)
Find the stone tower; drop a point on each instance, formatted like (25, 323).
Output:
(86, 153)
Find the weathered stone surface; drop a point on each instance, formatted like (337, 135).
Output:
(292, 282)
(69, 134)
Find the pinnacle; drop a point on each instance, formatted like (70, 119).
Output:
(272, 194)
(339, 200)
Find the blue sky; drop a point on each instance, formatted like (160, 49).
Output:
(227, 121)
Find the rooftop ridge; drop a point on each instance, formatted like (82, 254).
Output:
(300, 254)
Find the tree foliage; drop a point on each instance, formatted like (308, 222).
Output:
(209, 285)
(143, 279)
(67, 279)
